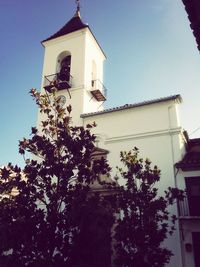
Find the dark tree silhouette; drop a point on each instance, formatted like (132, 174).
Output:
(41, 206)
(50, 215)
(144, 221)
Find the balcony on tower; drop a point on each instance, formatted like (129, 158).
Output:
(59, 81)
(98, 90)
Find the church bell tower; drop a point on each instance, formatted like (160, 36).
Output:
(73, 61)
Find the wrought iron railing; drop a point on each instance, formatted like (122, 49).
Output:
(184, 207)
(188, 209)
(61, 81)
(98, 85)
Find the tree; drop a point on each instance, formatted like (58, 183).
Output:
(144, 221)
(50, 216)
(41, 205)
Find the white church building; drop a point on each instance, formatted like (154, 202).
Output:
(75, 59)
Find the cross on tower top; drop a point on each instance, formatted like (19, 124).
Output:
(78, 5)
(77, 14)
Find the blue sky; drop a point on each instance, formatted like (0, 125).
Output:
(150, 50)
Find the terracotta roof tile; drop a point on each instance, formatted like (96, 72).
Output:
(128, 106)
(191, 160)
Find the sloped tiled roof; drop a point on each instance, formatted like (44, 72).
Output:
(191, 160)
(72, 25)
(178, 98)
(192, 8)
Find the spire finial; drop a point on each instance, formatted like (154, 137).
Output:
(78, 8)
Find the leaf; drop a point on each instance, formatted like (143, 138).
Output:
(69, 109)
(34, 130)
(88, 126)
(4, 173)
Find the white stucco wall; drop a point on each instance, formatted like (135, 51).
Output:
(156, 131)
(93, 53)
(143, 120)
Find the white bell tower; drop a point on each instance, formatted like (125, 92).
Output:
(74, 60)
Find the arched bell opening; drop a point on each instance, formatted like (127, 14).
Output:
(65, 66)
(62, 79)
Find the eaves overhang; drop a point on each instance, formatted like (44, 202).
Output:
(192, 8)
(191, 160)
